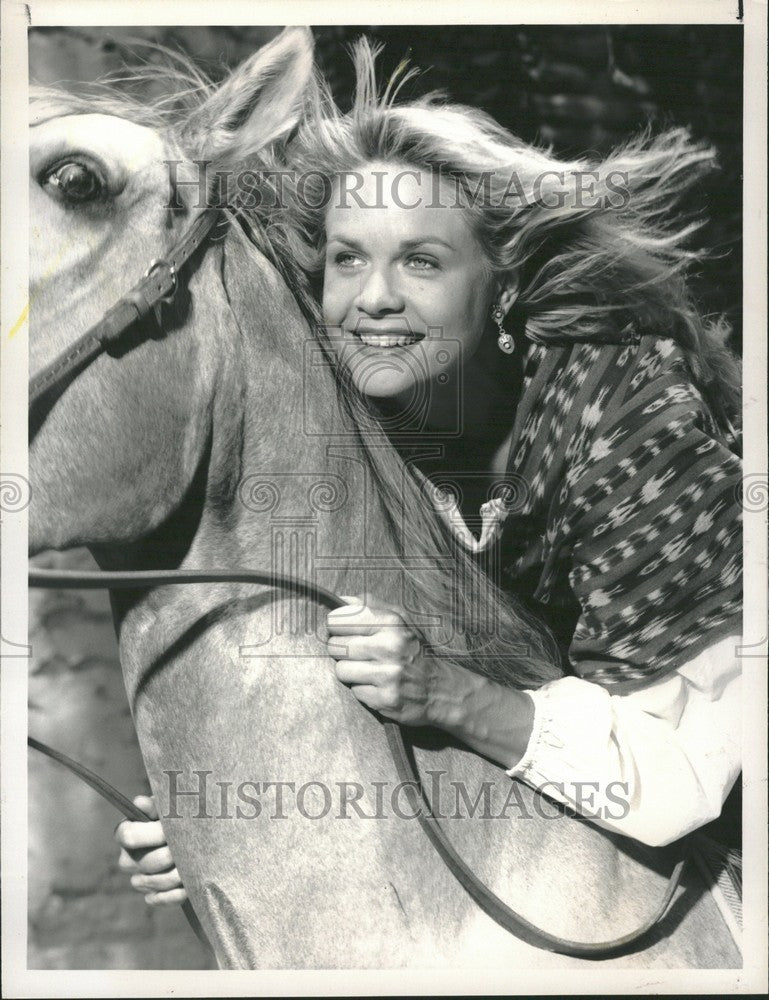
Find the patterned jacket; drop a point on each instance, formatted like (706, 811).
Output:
(627, 535)
(621, 527)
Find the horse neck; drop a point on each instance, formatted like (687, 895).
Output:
(283, 483)
(227, 693)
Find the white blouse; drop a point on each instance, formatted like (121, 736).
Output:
(654, 764)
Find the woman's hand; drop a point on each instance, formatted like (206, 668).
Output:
(380, 658)
(145, 853)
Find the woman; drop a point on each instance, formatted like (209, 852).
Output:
(537, 312)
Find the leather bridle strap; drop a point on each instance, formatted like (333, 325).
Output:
(489, 902)
(122, 804)
(158, 284)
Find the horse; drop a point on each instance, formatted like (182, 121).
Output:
(218, 437)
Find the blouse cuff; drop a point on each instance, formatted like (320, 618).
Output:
(666, 755)
(571, 733)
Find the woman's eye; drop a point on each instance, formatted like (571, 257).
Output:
(346, 259)
(419, 263)
(76, 182)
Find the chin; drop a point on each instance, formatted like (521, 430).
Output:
(382, 386)
(383, 376)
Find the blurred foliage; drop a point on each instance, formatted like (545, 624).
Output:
(577, 88)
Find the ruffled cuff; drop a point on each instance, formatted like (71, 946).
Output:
(652, 764)
(570, 738)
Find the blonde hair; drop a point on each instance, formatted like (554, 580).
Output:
(610, 270)
(486, 631)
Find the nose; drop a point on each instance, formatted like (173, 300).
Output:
(379, 293)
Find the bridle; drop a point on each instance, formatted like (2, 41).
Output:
(158, 285)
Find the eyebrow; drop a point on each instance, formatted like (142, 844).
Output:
(406, 245)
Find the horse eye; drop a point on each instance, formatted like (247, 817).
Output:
(76, 182)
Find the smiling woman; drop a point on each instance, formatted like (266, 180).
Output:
(415, 280)
(554, 346)
(616, 411)
(522, 330)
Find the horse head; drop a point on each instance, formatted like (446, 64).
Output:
(114, 182)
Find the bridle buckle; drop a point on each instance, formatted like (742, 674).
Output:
(155, 265)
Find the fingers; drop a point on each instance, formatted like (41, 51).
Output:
(148, 859)
(126, 862)
(152, 862)
(376, 685)
(136, 836)
(145, 853)
(353, 620)
(148, 863)
(357, 619)
(369, 601)
(174, 897)
(162, 882)
(367, 672)
(380, 699)
(359, 647)
(396, 645)
(379, 657)
(147, 805)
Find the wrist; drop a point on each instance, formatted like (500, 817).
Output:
(496, 721)
(454, 697)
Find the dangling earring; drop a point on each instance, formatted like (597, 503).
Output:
(505, 341)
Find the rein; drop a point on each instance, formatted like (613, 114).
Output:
(158, 285)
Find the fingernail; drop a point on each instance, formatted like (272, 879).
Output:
(347, 610)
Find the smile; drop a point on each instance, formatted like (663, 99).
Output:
(393, 337)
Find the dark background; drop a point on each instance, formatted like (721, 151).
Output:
(576, 87)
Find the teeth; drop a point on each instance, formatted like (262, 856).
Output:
(375, 341)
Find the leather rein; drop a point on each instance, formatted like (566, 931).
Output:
(159, 285)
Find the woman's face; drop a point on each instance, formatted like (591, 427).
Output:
(406, 285)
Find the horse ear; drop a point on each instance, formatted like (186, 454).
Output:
(260, 101)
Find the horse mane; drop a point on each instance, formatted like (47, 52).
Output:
(489, 632)
(158, 94)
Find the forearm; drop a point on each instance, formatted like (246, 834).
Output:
(495, 721)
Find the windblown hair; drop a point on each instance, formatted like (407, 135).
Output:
(484, 630)
(158, 95)
(599, 248)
